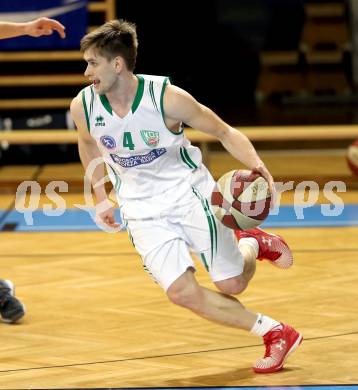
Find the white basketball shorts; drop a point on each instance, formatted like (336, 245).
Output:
(165, 243)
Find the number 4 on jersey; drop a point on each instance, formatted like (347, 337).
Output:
(128, 141)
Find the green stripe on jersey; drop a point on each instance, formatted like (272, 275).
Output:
(118, 183)
(214, 225)
(151, 92)
(92, 100)
(186, 154)
(186, 158)
(85, 109)
(203, 259)
(211, 222)
(139, 94)
(105, 103)
(165, 83)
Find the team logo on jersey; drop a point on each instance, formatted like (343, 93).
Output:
(99, 121)
(108, 142)
(151, 138)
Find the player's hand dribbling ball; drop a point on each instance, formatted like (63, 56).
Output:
(241, 199)
(352, 157)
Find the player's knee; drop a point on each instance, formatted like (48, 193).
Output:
(189, 297)
(232, 286)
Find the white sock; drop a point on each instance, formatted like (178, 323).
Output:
(263, 325)
(251, 242)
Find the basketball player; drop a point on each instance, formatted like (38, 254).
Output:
(11, 309)
(134, 124)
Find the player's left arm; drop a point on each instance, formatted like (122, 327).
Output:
(179, 105)
(35, 28)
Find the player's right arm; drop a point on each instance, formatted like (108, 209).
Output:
(90, 154)
(180, 106)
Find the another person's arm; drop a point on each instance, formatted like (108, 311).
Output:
(35, 28)
(181, 106)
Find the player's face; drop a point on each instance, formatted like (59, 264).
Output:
(101, 72)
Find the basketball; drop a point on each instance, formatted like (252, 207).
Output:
(352, 157)
(241, 199)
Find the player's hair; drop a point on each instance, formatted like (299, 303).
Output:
(116, 37)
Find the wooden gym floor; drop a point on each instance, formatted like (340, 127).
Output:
(96, 320)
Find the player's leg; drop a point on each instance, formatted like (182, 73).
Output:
(214, 306)
(231, 266)
(165, 253)
(270, 246)
(227, 255)
(227, 259)
(172, 267)
(280, 340)
(11, 309)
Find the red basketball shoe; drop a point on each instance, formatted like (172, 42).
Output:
(280, 342)
(271, 247)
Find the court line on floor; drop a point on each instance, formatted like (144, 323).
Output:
(71, 254)
(296, 387)
(165, 355)
(109, 254)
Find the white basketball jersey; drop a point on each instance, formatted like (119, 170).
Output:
(145, 160)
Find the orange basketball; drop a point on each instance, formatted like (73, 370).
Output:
(241, 199)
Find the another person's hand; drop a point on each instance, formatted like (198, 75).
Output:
(44, 26)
